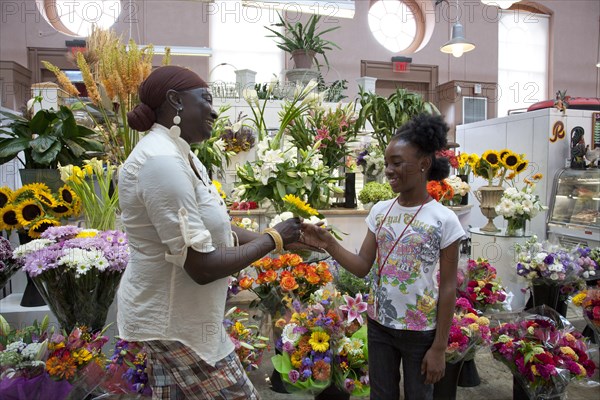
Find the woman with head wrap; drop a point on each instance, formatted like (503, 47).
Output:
(172, 295)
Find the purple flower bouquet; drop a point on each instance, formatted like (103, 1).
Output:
(8, 265)
(77, 272)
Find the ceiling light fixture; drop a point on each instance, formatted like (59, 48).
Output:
(330, 8)
(457, 45)
(503, 4)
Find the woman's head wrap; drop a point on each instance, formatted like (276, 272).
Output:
(153, 93)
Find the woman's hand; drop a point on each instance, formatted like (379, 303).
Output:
(433, 365)
(316, 235)
(289, 230)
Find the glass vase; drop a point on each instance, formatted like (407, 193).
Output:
(515, 226)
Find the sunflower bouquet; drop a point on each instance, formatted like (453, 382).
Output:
(77, 272)
(306, 345)
(494, 165)
(34, 207)
(95, 186)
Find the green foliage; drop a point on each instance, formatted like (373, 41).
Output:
(347, 282)
(333, 92)
(211, 152)
(373, 192)
(388, 114)
(50, 137)
(300, 36)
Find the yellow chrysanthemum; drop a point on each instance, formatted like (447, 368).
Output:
(28, 211)
(319, 341)
(299, 207)
(8, 218)
(87, 233)
(38, 227)
(6, 196)
(579, 298)
(240, 328)
(492, 157)
(82, 356)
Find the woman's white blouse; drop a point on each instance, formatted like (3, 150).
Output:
(166, 208)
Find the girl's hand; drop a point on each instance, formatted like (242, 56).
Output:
(433, 365)
(315, 235)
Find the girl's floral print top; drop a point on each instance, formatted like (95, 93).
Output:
(405, 296)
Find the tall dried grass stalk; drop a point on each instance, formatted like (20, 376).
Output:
(63, 81)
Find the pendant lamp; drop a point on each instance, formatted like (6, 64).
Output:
(457, 45)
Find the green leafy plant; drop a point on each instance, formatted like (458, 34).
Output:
(386, 114)
(300, 36)
(47, 139)
(212, 152)
(375, 191)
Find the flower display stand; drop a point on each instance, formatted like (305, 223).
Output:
(445, 388)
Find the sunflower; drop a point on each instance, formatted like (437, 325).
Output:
(510, 159)
(66, 194)
(45, 197)
(319, 341)
(62, 210)
(522, 166)
(8, 218)
(298, 207)
(28, 211)
(6, 196)
(38, 227)
(492, 157)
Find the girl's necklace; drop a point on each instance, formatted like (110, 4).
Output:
(381, 264)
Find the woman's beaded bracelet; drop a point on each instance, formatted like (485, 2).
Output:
(276, 238)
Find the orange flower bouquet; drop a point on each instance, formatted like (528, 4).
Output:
(284, 277)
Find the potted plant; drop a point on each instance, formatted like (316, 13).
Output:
(48, 138)
(374, 192)
(303, 41)
(386, 114)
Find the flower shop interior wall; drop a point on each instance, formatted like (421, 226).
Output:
(531, 133)
(145, 21)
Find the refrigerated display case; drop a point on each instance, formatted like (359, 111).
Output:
(574, 214)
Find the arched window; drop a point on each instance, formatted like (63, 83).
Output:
(523, 54)
(398, 25)
(76, 18)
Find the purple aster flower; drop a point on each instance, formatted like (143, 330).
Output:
(60, 233)
(297, 305)
(307, 362)
(307, 373)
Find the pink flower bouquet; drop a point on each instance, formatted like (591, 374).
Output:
(482, 288)
(468, 333)
(543, 356)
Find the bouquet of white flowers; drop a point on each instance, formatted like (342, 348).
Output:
(518, 206)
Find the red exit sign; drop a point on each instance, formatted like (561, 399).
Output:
(401, 64)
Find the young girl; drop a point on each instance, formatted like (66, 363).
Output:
(409, 317)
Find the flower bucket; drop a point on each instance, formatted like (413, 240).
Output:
(469, 377)
(489, 197)
(445, 388)
(78, 301)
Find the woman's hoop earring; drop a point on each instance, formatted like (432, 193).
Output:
(175, 130)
